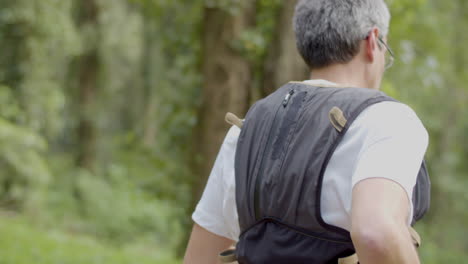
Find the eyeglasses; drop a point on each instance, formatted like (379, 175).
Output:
(390, 56)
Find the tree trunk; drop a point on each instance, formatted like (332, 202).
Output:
(87, 86)
(283, 62)
(226, 82)
(451, 136)
(151, 74)
(227, 77)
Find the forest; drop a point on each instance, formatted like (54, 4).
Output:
(112, 113)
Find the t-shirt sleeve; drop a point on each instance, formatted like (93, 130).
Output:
(210, 212)
(394, 147)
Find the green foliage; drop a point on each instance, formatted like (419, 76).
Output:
(433, 251)
(39, 36)
(23, 244)
(121, 211)
(430, 75)
(233, 7)
(133, 201)
(131, 196)
(20, 145)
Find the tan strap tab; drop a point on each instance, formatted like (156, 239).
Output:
(337, 118)
(415, 237)
(228, 256)
(233, 120)
(353, 259)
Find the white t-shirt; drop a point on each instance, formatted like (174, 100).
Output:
(387, 140)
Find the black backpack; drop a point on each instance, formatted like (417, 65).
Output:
(285, 144)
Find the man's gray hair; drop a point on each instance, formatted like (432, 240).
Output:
(330, 31)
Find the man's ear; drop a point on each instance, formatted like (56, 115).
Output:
(371, 44)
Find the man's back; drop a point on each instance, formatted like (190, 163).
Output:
(370, 148)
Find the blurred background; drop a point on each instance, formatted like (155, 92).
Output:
(111, 114)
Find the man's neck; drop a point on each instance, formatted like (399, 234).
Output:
(341, 74)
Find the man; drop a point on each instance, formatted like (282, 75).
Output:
(367, 187)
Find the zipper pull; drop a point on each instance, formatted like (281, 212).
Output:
(287, 97)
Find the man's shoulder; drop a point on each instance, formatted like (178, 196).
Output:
(390, 119)
(389, 112)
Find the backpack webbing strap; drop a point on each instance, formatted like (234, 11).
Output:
(415, 237)
(337, 118)
(353, 259)
(233, 120)
(228, 256)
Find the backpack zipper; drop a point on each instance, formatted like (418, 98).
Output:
(285, 102)
(288, 97)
